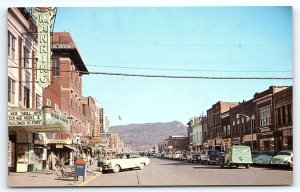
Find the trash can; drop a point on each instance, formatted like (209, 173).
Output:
(80, 169)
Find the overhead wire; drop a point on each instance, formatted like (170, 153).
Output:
(165, 76)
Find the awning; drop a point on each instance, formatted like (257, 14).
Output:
(70, 147)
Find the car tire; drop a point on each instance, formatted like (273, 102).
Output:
(247, 166)
(116, 169)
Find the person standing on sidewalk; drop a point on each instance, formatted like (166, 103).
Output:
(100, 160)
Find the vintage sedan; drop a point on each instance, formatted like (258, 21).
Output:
(284, 157)
(125, 161)
(264, 158)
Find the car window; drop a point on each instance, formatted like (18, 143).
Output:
(284, 153)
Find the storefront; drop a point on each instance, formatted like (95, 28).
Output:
(286, 139)
(27, 128)
(266, 139)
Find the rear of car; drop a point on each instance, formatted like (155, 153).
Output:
(214, 157)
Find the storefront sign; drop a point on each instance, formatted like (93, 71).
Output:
(44, 21)
(266, 129)
(59, 141)
(39, 142)
(249, 137)
(25, 118)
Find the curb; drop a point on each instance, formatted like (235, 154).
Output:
(89, 179)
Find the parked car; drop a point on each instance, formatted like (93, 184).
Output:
(125, 161)
(263, 158)
(214, 156)
(183, 156)
(284, 157)
(176, 155)
(237, 155)
(193, 156)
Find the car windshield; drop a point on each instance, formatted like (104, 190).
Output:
(284, 153)
(213, 152)
(195, 153)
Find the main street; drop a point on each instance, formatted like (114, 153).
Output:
(164, 172)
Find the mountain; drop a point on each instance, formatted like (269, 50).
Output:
(139, 137)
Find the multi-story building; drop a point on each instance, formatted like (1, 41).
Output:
(28, 119)
(214, 125)
(283, 109)
(177, 142)
(265, 117)
(196, 125)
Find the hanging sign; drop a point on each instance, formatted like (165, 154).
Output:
(44, 20)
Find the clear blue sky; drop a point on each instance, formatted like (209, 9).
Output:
(212, 41)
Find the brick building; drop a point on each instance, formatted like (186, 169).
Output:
(65, 91)
(177, 142)
(214, 125)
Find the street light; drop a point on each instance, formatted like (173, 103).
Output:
(247, 119)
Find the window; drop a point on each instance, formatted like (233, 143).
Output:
(49, 102)
(278, 116)
(55, 66)
(228, 130)
(26, 99)
(26, 57)
(56, 107)
(11, 45)
(38, 103)
(289, 113)
(11, 90)
(283, 115)
(265, 115)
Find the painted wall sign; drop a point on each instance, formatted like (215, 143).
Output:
(44, 20)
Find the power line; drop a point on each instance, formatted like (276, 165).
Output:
(165, 76)
(190, 70)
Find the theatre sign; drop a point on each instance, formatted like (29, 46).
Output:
(44, 21)
(38, 120)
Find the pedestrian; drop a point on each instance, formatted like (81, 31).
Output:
(100, 160)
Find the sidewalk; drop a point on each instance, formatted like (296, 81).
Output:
(48, 178)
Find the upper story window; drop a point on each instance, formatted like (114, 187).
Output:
(26, 99)
(11, 90)
(26, 57)
(11, 45)
(265, 115)
(38, 101)
(55, 66)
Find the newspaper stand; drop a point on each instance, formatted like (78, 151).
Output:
(79, 169)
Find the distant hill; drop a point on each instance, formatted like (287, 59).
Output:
(144, 136)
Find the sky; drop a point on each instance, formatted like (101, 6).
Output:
(180, 41)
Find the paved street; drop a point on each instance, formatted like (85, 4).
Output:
(163, 172)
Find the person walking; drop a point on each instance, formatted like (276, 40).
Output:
(100, 160)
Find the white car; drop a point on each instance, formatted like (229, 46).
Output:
(284, 157)
(125, 161)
